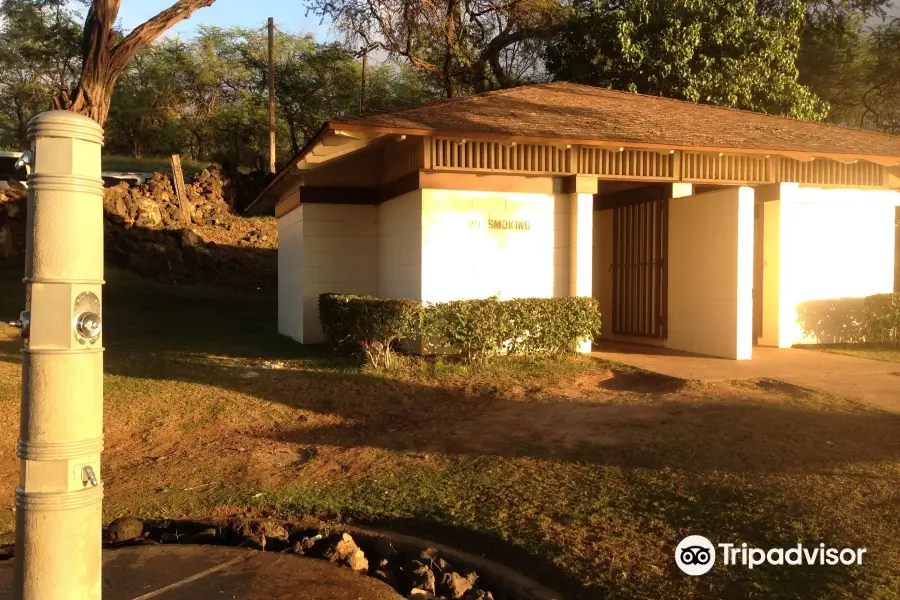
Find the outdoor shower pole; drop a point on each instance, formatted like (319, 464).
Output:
(59, 497)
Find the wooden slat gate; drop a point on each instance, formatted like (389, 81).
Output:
(640, 272)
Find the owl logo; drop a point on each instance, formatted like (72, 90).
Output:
(695, 555)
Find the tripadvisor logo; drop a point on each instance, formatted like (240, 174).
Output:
(696, 555)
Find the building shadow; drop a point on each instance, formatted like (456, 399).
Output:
(155, 332)
(612, 416)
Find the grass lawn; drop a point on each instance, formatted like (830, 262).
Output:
(885, 353)
(581, 473)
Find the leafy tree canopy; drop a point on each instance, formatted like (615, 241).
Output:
(722, 52)
(40, 48)
(465, 46)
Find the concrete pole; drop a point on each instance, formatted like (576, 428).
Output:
(58, 500)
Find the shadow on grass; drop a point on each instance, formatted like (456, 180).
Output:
(159, 332)
(687, 464)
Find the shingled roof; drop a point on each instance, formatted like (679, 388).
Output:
(567, 111)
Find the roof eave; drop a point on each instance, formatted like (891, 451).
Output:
(883, 160)
(332, 142)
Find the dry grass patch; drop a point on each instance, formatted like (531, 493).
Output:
(882, 352)
(583, 473)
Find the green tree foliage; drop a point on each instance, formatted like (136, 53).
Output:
(208, 96)
(881, 96)
(463, 46)
(40, 48)
(836, 56)
(721, 52)
(145, 106)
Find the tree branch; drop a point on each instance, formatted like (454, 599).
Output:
(144, 34)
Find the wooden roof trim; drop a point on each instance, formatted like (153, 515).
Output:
(886, 161)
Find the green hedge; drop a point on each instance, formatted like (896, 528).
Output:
(526, 326)
(883, 318)
(367, 325)
(875, 319)
(475, 329)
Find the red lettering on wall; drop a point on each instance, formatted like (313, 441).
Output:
(508, 225)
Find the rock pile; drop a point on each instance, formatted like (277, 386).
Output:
(422, 574)
(12, 223)
(148, 231)
(155, 204)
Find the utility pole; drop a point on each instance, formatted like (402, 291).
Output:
(272, 95)
(364, 54)
(362, 86)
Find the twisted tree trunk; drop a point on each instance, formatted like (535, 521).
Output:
(106, 54)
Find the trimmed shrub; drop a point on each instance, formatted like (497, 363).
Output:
(368, 326)
(875, 319)
(478, 329)
(475, 329)
(552, 325)
(842, 320)
(883, 318)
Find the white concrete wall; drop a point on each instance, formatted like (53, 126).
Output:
(581, 244)
(400, 247)
(828, 244)
(481, 244)
(327, 248)
(290, 274)
(711, 273)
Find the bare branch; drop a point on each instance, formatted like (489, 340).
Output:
(143, 35)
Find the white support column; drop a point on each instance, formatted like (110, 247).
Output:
(581, 250)
(770, 219)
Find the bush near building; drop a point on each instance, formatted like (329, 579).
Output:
(872, 320)
(474, 329)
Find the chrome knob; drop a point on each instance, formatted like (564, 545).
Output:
(23, 324)
(88, 326)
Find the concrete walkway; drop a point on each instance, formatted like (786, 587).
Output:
(871, 381)
(170, 572)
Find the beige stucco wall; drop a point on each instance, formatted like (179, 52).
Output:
(465, 255)
(290, 274)
(400, 247)
(828, 244)
(711, 273)
(770, 221)
(434, 245)
(327, 248)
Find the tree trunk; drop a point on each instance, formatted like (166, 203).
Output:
(105, 54)
(447, 67)
(295, 143)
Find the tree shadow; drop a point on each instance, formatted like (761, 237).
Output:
(650, 429)
(657, 430)
(613, 416)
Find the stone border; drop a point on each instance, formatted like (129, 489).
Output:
(416, 568)
(411, 565)
(493, 573)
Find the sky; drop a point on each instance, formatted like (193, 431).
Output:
(290, 15)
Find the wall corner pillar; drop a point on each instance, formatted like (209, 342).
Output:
(581, 250)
